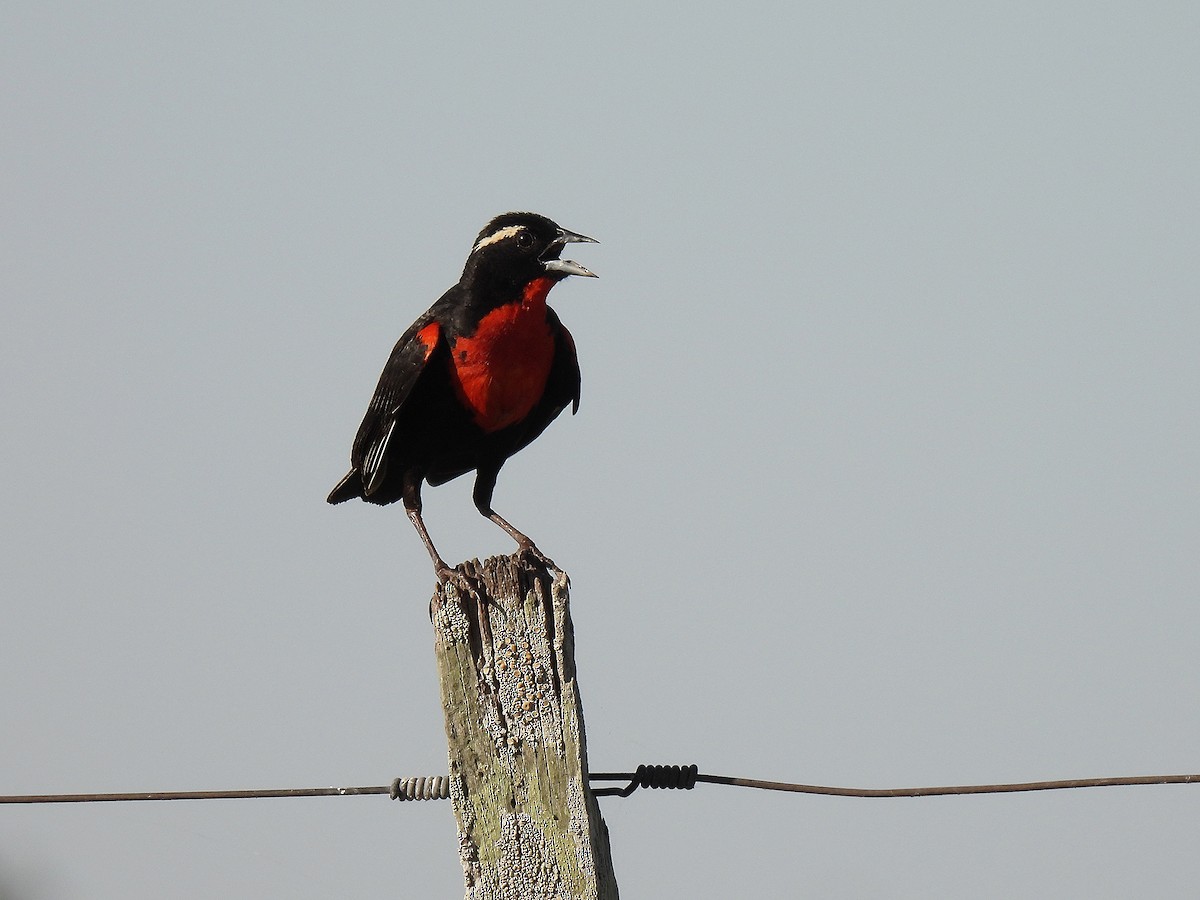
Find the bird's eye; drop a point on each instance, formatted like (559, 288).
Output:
(524, 240)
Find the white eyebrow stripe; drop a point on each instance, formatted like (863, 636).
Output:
(501, 234)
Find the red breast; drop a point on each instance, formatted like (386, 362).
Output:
(500, 371)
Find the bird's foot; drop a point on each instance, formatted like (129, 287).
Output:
(531, 555)
(464, 584)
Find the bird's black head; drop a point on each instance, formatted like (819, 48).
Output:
(517, 247)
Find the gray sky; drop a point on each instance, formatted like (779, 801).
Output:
(885, 472)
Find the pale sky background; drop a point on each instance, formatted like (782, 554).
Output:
(887, 470)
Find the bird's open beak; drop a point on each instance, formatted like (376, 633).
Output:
(570, 237)
(568, 266)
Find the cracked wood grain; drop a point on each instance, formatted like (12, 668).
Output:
(529, 827)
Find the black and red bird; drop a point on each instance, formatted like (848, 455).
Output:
(474, 379)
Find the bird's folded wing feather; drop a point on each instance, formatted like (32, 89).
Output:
(404, 367)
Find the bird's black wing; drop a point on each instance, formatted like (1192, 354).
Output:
(564, 380)
(404, 367)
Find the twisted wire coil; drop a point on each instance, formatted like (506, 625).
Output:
(681, 778)
(436, 787)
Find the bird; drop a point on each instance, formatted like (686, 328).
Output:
(473, 380)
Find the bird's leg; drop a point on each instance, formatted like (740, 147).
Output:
(526, 547)
(412, 505)
(485, 483)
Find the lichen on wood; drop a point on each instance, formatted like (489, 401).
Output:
(529, 827)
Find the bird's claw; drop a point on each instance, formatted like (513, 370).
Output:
(464, 584)
(530, 554)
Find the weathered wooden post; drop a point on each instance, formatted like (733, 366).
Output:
(528, 825)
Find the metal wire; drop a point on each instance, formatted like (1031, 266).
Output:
(197, 795)
(654, 777)
(635, 781)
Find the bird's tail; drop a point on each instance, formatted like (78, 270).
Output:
(348, 488)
